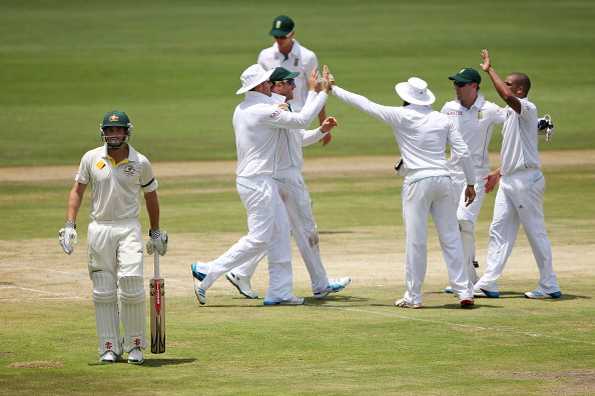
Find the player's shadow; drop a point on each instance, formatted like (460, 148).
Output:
(342, 298)
(152, 362)
(442, 306)
(167, 362)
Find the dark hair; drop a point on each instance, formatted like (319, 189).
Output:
(405, 103)
(524, 81)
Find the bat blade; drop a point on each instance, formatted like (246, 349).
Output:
(157, 286)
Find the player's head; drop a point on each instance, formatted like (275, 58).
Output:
(415, 91)
(519, 84)
(255, 78)
(466, 84)
(283, 30)
(115, 128)
(283, 82)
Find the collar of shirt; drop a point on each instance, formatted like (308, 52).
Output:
(419, 108)
(132, 155)
(258, 97)
(278, 98)
(478, 104)
(295, 49)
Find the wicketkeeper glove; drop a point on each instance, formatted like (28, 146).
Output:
(67, 237)
(158, 242)
(545, 126)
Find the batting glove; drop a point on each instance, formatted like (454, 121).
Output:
(545, 126)
(158, 242)
(67, 237)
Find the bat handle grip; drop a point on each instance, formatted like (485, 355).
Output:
(156, 264)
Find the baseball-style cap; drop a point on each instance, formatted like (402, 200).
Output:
(115, 118)
(466, 75)
(282, 26)
(282, 74)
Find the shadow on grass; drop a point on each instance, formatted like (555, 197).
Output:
(334, 298)
(151, 362)
(443, 306)
(331, 232)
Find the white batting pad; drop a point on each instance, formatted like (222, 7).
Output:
(468, 237)
(132, 302)
(106, 312)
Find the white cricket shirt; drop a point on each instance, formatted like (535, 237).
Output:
(519, 144)
(422, 135)
(300, 59)
(475, 124)
(258, 122)
(115, 187)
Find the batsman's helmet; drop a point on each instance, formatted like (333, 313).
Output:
(115, 119)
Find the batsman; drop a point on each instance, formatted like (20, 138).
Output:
(117, 173)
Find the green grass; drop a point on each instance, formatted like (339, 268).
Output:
(174, 67)
(350, 345)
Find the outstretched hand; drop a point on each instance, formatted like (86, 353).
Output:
(328, 124)
(313, 83)
(485, 57)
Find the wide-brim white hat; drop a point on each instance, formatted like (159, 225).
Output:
(252, 77)
(415, 91)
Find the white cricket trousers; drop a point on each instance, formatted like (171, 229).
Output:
(296, 199)
(116, 270)
(268, 231)
(467, 215)
(435, 196)
(519, 201)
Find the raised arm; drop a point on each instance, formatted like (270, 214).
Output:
(313, 136)
(501, 87)
(286, 119)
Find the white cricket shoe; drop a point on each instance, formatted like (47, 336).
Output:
(541, 295)
(403, 303)
(201, 294)
(108, 357)
(135, 356)
(242, 283)
(293, 300)
(334, 286)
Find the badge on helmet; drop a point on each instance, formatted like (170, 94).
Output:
(115, 119)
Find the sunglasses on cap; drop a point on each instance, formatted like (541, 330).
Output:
(289, 81)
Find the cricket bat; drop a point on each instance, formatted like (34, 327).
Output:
(157, 286)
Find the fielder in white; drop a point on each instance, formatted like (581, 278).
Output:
(287, 52)
(117, 173)
(520, 196)
(295, 195)
(422, 135)
(258, 124)
(475, 118)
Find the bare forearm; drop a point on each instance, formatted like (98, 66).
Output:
(152, 202)
(322, 115)
(75, 198)
(504, 91)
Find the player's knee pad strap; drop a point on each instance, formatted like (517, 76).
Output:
(104, 287)
(131, 290)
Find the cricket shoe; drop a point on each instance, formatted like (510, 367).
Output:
(135, 356)
(201, 294)
(242, 283)
(467, 303)
(108, 357)
(293, 300)
(334, 286)
(403, 303)
(541, 295)
(198, 271)
(478, 292)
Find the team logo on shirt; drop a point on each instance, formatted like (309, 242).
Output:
(275, 114)
(479, 115)
(296, 62)
(129, 170)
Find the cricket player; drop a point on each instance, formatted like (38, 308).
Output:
(474, 117)
(422, 135)
(520, 196)
(258, 124)
(295, 195)
(117, 173)
(290, 54)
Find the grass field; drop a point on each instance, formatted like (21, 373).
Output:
(174, 66)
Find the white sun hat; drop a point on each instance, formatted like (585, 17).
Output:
(415, 91)
(252, 77)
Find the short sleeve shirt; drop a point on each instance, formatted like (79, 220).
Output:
(115, 187)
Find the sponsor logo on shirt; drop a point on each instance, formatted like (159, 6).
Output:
(296, 62)
(455, 113)
(100, 164)
(275, 114)
(479, 115)
(129, 170)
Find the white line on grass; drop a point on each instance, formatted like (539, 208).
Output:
(443, 322)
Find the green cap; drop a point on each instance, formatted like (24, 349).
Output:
(282, 74)
(282, 26)
(115, 118)
(466, 75)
